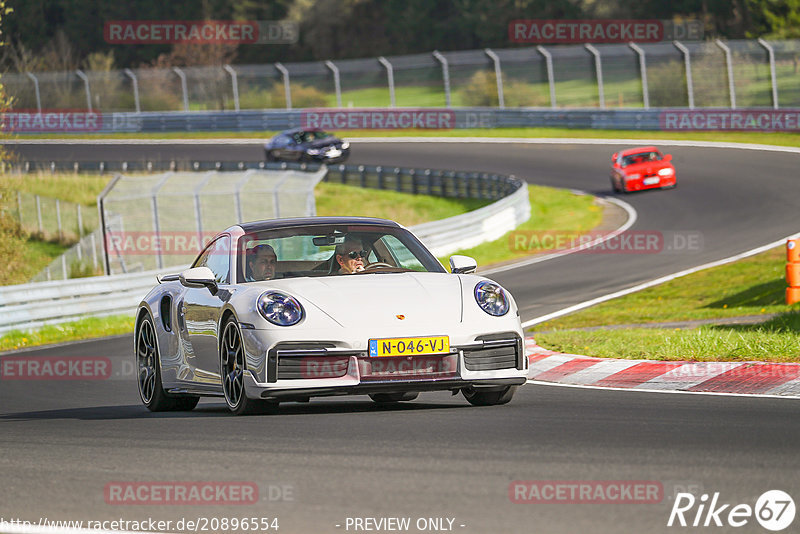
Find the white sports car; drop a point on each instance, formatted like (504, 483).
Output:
(289, 309)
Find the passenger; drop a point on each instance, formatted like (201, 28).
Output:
(261, 261)
(350, 256)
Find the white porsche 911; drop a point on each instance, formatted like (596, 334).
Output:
(289, 309)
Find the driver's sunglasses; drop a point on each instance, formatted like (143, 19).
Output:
(357, 253)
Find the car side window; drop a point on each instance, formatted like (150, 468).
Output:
(281, 141)
(217, 258)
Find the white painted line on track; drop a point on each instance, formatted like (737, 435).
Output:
(635, 390)
(656, 282)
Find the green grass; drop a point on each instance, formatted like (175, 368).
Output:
(81, 188)
(552, 210)
(408, 210)
(777, 339)
(90, 327)
(753, 286)
(766, 138)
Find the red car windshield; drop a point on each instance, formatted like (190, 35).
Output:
(641, 157)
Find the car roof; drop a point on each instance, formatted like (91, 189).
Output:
(630, 151)
(272, 224)
(298, 130)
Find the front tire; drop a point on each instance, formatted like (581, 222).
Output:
(492, 397)
(232, 367)
(151, 390)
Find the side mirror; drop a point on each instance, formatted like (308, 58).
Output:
(614, 157)
(668, 157)
(199, 277)
(462, 264)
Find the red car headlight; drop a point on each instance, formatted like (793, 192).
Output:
(666, 172)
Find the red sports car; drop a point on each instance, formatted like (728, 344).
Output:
(641, 168)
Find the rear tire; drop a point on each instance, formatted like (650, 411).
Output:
(493, 397)
(270, 156)
(391, 398)
(151, 390)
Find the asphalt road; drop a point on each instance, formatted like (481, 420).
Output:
(63, 442)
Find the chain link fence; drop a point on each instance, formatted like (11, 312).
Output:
(669, 74)
(51, 219)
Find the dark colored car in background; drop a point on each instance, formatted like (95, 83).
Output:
(300, 144)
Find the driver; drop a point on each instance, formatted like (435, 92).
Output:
(350, 256)
(261, 261)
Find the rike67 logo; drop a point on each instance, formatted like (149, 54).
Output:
(774, 510)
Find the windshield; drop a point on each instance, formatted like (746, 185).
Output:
(310, 136)
(326, 250)
(641, 157)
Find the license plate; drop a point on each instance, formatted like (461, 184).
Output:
(408, 346)
(651, 181)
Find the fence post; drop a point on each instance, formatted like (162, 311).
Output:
(687, 63)
(643, 70)
(93, 243)
(287, 88)
(498, 74)
(135, 81)
(548, 60)
(58, 221)
(36, 90)
(85, 79)
(64, 267)
(389, 78)
(80, 222)
(234, 86)
(184, 89)
(598, 69)
(772, 73)
(445, 75)
(39, 214)
(729, 65)
(337, 84)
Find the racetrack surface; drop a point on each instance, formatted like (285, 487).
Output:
(437, 457)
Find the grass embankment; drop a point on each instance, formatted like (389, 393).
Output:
(753, 286)
(761, 138)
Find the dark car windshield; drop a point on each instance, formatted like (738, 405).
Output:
(311, 250)
(310, 136)
(641, 157)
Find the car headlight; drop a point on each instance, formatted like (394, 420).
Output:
(666, 172)
(279, 308)
(313, 151)
(632, 176)
(492, 298)
(345, 145)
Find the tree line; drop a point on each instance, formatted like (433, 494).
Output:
(68, 34)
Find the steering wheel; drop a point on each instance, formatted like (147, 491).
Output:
(376, 265)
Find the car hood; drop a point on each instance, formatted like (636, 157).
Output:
(424, 300)
(322, 143)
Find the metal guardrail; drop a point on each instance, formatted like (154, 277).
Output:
(33, 305)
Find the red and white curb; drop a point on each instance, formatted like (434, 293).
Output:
(748, 378)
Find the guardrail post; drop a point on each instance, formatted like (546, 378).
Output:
(337, 83)
(445, 75)
(36, 90)
(687, 63)
(64, 267)
(551, 81)
(234, 86)
(379, 170)
(598, 69)
(85, 79)
(287, 88)
(729, 65)
(389, 78)
(498, 74)
(772, 73)
(428, 182)
(135, 83)
(362, 176)
(398, 186)
(643, 70)
(413, 177)
(80, 222)
(184, 89)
